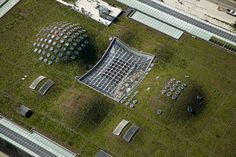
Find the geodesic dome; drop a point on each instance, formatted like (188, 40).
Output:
(61, 42)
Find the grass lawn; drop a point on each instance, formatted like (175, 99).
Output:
(83, 120)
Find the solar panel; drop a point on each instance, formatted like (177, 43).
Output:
(130, 133)
(45, 87)
(157, 24)
(25, 142)
(102, 153)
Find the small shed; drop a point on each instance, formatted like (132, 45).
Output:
(24, 111)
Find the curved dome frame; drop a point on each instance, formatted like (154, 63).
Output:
(62, 41)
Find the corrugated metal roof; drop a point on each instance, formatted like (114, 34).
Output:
(2, 2)
(33, 142)
(7, 6)
(157, 24)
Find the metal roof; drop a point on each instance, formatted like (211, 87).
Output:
(2, 2)
(32, 142)
(6, 6)
(181, 20)
(157, 24)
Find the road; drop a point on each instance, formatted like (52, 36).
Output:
(190, 20)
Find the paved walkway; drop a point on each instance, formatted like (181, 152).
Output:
(3, 154)
(231, 4)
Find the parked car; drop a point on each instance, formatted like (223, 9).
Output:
(231, 12)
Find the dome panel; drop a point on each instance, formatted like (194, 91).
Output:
(60, 42)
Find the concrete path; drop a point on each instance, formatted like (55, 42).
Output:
(231, 4)
(3, 154)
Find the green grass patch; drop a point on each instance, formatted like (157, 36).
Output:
(83, 119)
